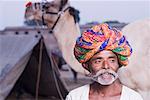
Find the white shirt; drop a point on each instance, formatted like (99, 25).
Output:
(82, 93)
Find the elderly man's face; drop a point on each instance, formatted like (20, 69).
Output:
(104, 60)
(104, 67)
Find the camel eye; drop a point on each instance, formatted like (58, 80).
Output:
(52, 5)
(45, 6)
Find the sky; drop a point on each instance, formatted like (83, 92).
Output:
(12, 11)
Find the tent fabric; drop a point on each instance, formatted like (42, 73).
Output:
(19, 62)
(15, 51)
(51, 44)
(47, 85)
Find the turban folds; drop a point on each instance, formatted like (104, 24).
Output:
(102, 37)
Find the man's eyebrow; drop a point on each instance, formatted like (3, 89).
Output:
(96, 58)
(102, 58)
(112, 57)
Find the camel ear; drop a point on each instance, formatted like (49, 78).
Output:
(61, 3)
(64, 2)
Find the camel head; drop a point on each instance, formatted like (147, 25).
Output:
(49, 12)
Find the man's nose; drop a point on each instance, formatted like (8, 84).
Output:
(105, 65)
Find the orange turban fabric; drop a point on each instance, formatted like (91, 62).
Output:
(102, 37)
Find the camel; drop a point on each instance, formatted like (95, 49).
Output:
(136, 74)
(58, 16)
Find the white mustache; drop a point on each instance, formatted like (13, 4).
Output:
(104, 71)
(98, 76)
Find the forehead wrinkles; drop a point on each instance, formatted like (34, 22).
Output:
(104, 54)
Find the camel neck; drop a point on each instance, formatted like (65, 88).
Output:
(65, 24)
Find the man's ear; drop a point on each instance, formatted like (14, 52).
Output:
(87, 67)
(84, 65)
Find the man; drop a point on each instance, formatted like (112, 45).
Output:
(102, 50)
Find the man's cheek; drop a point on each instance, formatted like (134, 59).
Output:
(96, 68)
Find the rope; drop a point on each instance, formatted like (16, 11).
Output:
(53, 63)
(39, 69)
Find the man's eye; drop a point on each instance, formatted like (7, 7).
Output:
(112, 60)
(97, 61)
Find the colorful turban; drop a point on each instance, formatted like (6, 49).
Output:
(102, 37)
